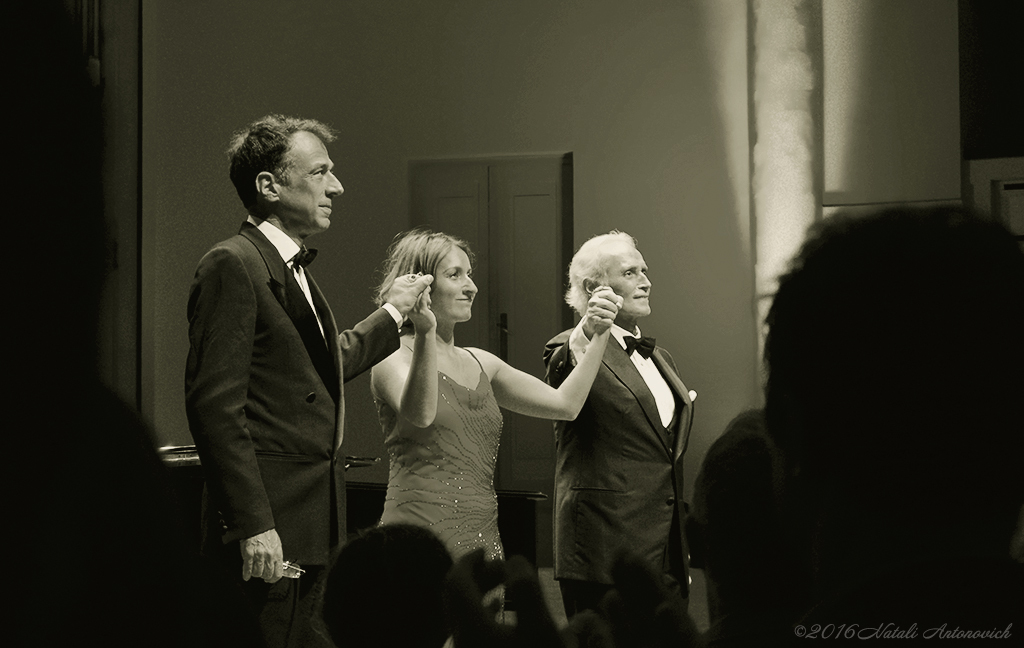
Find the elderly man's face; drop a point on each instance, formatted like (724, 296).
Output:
(304, 200)
(626, 274)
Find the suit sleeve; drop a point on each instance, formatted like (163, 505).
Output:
(222, 313)
(557, 359)
(367, 343)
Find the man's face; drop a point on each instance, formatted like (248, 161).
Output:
(308, 187)
(626, 274)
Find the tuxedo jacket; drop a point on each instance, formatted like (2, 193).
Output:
(264, 397)
(618, 472)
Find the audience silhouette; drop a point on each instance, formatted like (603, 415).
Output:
(97, 536)
(385, 589)
(638, 612)
(895, 364)
(736, 536)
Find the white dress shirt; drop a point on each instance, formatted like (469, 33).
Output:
(663, 397)
(287, 248)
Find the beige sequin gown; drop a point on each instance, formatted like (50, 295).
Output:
(442, 476)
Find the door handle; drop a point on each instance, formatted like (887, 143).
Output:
(503, 336)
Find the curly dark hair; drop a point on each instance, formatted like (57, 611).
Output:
(263, 146)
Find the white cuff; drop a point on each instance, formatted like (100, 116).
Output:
(399, 320)
(578, 342)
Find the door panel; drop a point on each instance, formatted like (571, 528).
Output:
(527, 226)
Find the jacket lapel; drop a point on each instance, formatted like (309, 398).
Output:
(675, 383)
(618, 362)
(289, 294)
(330, 335)
(336, 382)
(272, 258)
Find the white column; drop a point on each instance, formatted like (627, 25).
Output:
(784, 165)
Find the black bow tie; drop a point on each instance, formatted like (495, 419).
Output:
(644, 345)
(303, 258)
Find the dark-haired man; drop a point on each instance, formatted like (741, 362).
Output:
(265, 374)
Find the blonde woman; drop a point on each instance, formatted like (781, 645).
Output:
(438, 403)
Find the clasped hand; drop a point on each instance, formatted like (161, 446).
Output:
(421, 316)
(602, 309)
(406, 290)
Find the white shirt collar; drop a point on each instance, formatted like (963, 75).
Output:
(286, 247)
(620, 334)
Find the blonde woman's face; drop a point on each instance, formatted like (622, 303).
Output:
(453, 290)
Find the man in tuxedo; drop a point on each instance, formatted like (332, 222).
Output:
(265, 374)
(619, 470)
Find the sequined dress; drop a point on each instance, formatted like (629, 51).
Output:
(442, 476)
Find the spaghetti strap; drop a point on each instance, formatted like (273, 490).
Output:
(477, 360)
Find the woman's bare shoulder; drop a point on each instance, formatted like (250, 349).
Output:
(490, 362)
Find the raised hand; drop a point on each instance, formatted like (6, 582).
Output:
(406, 290)
(602, 308)
(642, 612)
(473, 623)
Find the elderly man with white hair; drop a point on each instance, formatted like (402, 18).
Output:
(619, 468)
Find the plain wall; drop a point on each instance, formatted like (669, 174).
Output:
(650, 97)
(892, 103)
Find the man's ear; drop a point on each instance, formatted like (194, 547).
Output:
(266, 185)
(694, 531)
(590, 285)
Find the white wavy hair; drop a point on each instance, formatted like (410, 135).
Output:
(589, 263)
